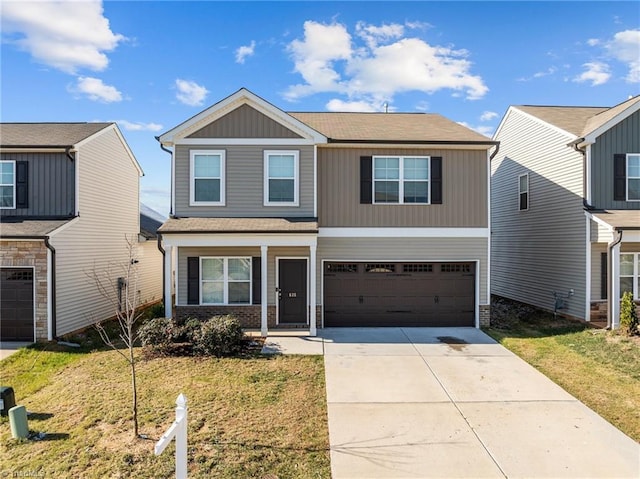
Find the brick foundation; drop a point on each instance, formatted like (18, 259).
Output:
(485, 315)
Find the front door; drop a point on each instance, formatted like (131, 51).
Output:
(292, 291)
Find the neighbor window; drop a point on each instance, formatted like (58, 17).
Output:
(207, 177)
(225, 280)
(281, 173)
(523, 192)
(633, 177)
(401, 179)
(7, 184)
(630, 274)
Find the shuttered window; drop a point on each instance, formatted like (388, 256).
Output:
(633, 177)
(7, 184)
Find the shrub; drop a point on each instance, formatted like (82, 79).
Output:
(188, 332)
(218, 336)
(155, 311)
(628, 315)
(157, 333)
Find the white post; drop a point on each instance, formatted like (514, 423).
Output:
(181, 437)
(615, 287)
(263, 291)
(168, 258)
(312, 290)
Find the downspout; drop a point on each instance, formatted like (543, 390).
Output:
(52, 331)
(495, 152)
(164, 278)
(162, 147)
(610, 246)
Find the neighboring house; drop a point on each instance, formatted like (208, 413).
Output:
(69, 204)
(565, 208)
(305, 220)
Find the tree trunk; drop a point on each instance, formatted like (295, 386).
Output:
(134, 391)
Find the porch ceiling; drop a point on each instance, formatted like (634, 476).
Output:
(620, 219)
(239, 225)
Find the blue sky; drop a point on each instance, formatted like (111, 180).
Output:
(151, 65)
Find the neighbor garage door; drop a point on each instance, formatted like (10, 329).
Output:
(16, 304)
(399, 294)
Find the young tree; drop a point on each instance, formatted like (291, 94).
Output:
(118, 283)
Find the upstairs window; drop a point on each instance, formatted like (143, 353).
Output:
(633, 177)
(207, 177)
(281, 178)
(7, 184)
(401, 179)
(523, 192)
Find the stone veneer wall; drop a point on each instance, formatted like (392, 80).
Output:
(18, 254)
(485, 315)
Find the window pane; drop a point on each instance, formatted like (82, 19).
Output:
(633, 165)
(213, 268)
(626, 284)
(281, 191)
(6, 173)
(524, 184)
(207, 190)
(387, 168)
(387, 192)
(416, 191)
(416, 169)
(634, 189)
(212, 292)
(239, 293)
(626, 264)
(207, 166)
(239, 268)
(281, 166)
(6, 196)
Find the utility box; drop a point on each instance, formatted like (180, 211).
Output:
(7, 399)
(18, 422)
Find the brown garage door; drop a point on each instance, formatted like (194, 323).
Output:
(399, 294)
(16, 304)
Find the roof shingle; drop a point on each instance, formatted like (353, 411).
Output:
(25, 135)
(240, 225)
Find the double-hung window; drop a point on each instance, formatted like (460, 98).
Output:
(7, 184)
(401, 179)
(630, 274)
(633, 177)
(225, 280)
(523, 192)
(281, 178)
(207, 177)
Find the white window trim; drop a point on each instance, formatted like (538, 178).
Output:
(13, 207)
(225, 280)
(296, 177)
(192, 179)
(401, 180)
(627, 177)
(520, 192)
(634, 277)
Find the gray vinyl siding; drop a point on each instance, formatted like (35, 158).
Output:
(406, 249)
(51, 185)
(622, 138)
(244, 183)
(542, 250)
(244, 122)
(464, 186)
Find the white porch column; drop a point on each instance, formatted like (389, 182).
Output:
(168, 261)
(263, 291)
(312, 291)
(615, 287)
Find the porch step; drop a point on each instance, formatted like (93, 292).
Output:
(290, 326)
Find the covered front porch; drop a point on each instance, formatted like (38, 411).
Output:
(261, 270)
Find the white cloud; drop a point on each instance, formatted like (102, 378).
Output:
(351, 106)
(595, 72)
(482, 129)
(625, 47)
(138, 126)
(190, 93)
(488, 116)
(62, 34)
(382, 64)
(245, 51)
(592, 42)
(96, 90)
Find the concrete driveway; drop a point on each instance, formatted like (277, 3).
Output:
(452, 403)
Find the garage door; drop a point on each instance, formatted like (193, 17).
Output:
(16, 304)
(399, 294)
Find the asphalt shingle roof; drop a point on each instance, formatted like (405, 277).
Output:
(26, 228)
(24, 135)
(620, 219)
(240, 225)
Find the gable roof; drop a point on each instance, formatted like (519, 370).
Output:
(571, 119)
(51, 135)
(601, 119)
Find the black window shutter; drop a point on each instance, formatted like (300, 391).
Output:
(603, 275)
(436, 180)
(193, 280)
(620, 177)
(256, 273)
(22, 184)
(366, 179)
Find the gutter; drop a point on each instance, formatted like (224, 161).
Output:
(610, 246)
(413, 142)
(164, 276)
(495, 152)
(52, 267)
(163, 148)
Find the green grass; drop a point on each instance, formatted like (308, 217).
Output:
(250, 417)
(600, 368)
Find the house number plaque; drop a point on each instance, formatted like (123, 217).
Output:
(293, 295)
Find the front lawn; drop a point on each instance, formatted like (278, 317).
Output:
(258, 417)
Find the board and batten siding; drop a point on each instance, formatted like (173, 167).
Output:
(51, 185)
(622, 138)
(542, 250)
(97, 240)
(244, 183)
(464, 185)
(406, 249)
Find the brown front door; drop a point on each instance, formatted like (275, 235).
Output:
(16, 304)
(292, 291)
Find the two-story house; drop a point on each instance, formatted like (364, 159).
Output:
(69, 207)
(291, 219)
(566, 208)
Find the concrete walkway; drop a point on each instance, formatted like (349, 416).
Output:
(452, 403)
(7, 348)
